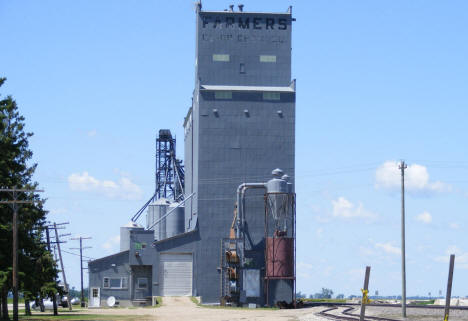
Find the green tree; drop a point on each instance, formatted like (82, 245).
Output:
(16, 171)
(327, 293)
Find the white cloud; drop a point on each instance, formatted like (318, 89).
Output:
(388, 248)
(365, 251)
(124, 188)
(388, 176)
(92, 133)
(461, 257)
(424, 217)
(454, 226)
(345, 209)
(111, 242)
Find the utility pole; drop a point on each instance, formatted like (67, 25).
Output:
(62, 267)
(15, 203)
(81, 248)
(54, 298)
(402, 168)
(449, 287)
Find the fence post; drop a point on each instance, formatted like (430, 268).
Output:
(365, 291)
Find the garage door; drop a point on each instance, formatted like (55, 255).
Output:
(175, 274)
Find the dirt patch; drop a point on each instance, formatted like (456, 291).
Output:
(182, 308)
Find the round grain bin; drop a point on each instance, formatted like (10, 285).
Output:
(175, 222)
(157, 210)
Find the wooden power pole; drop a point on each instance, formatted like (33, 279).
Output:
(54, 298)
(62, 267)
(81, 248)
(15, 203)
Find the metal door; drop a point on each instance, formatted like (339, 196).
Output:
(95, 297)
(175, 274)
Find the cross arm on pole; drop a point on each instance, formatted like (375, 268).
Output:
(21, 190)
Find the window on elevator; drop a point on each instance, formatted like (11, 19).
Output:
(223, 94)
(267, 58)
(221, 57)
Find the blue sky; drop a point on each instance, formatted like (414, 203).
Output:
(377, 81)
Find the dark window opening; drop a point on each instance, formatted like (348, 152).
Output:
(242, 68)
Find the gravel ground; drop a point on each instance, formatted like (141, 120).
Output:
(182, 308)
(415, 313)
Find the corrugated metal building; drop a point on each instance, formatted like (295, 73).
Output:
(241, 126)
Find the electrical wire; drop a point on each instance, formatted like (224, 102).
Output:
(87, 257)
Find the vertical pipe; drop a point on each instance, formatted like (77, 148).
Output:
(266, 248)
(449, 287)
(403, 255)
(293, 196)
(364, 294)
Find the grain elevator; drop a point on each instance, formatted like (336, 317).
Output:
(216, 235)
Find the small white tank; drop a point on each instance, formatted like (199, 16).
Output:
(125, 235)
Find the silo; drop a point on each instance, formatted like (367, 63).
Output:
(157, 210)
(175, 222)
(280, 239)
(125, 235)
(280, 257)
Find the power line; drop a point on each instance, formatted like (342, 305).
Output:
(86, 257)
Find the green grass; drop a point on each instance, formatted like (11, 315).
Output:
(325, 300)
(50, 316)
(195, 300)
(65, 314)
(425, 302)
(20, 300)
